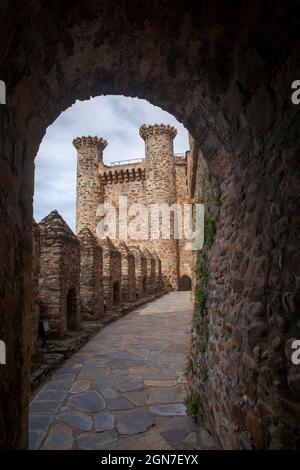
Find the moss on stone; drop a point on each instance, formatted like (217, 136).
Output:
(203, 373)
(192, 402)
(200, 298)
(189, 369)
(204, 339)
(196, 322)
(200, 269)
(209, 232)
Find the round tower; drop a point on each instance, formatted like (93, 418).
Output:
(161, 189)
(90, 192)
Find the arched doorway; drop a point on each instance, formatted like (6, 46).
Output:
(185, 283)
(201, 71)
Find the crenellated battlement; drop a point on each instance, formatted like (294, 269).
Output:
(89, 142)
(122, 175)
(157, 129)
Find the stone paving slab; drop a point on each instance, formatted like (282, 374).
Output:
(90, 401)
(138, 397)
(104, 421)
(44, 407)
(80, 386)
(60, 437)
(125, 388)
(169, 409)
(119, 404)
(76, 419)
(40, 422)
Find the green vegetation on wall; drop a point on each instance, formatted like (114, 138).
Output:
(210, 195)
(203, 373)
(189, 367)
(209, 231)
(192, 402)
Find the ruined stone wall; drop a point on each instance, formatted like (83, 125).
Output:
(111, 274)
(91, 283)
(59, 273)
(128, 285)
(151, 272)
(140, 270)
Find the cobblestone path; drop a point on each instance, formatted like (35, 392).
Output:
(124, 389)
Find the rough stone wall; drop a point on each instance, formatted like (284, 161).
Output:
(125, 180)
(59, 273)
(158, 272)
(35, 308)
(111, 273)
(181, 179)
(128, 285)
(248, 388)
(91, 283)
(151, 272)
(89, 186)
(140, 271)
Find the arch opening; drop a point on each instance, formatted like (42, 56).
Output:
(222, 108)
(185, 283)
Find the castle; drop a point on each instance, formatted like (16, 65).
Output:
(80, 276)
(160, 178)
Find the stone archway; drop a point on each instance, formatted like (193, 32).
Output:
(225, 73)
(185, 283)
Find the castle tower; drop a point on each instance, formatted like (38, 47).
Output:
(90, 192)
(161, 189)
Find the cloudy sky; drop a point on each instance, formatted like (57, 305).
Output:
(117, 119)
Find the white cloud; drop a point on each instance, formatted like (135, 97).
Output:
(115, 118)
